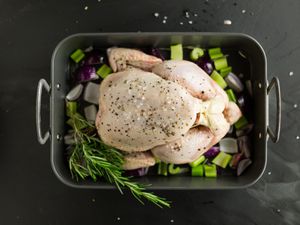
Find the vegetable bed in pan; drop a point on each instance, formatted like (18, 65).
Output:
(176, 111)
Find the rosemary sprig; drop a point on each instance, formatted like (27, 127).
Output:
(90, 157)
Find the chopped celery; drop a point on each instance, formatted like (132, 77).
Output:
(176, 52)
(173, 170)
(197, 161)
(71, 108)
(220, 63)
(162, 169)
(216, 56)
(196, 53)
(210, 170)
(222, 159)
(198, 171)
(104, 70)
(77, 56)
(241, 123)
(218, 79)
(231, 95)
(225, 71)
(214, 51)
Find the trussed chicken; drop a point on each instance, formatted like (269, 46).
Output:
(177, 111)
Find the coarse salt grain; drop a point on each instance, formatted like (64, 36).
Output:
(295, 105)
(156, 14)
(86, 8)
(190, 22)
(181, 23)
(165, 17)
(164, 21)
(227, 22)
(243, 11)
(291, 73)
(297, 137)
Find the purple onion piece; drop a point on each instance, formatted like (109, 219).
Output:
(86, 73)
(245, 131)
(236, 158)
(137, 172)
(234, 82)
(93, 58)
(244, 144)
(205, 64)
(243, 166)
(157, 53)
(212, 152)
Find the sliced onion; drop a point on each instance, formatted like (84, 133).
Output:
(245, 131)
(244, 144)
(236, 158)
(157, 53)
(137, 172)
(92, 58)
(90, 113)
(75, 93)
(228, 145)
(206, 64)
(86, 73)
(212, 152)
(91, 93)
(234, 82)
(243, 166)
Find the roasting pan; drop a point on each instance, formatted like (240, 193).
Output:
(253, 63)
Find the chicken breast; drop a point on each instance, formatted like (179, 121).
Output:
(187, 148)
(139, 110)
(122, 58)
(188, 75)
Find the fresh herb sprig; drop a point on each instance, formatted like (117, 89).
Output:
(90, 157)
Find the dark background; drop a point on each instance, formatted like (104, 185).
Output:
(29, 191)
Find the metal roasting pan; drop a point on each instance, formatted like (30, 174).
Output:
(253, 64)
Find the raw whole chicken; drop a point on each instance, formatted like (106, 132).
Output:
(171, 110)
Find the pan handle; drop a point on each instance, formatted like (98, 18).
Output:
(42, 139)
(275, 135)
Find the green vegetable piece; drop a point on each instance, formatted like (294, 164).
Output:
(174, 170)
(197, 161)
(163, 169)
(77, 56)
(216, 56)
(71, 108)
(231, 95)
(104, 71)
(218, 79)
(222, 159)
(210, 170)
(214, 51)
(225, 71)
(196, 53)
(198, 171)
(176, 52)
(220, 63)
(241, 123)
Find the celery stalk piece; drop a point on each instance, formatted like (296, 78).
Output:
(197, 161)
(77, 56)
(104, 71)
(176, 52)
(218, 79)
(222, 159)
(197, 171)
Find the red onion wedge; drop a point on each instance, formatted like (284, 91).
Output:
(243, 165)
(234, 82)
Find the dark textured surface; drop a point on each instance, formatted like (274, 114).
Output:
(29, 191)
